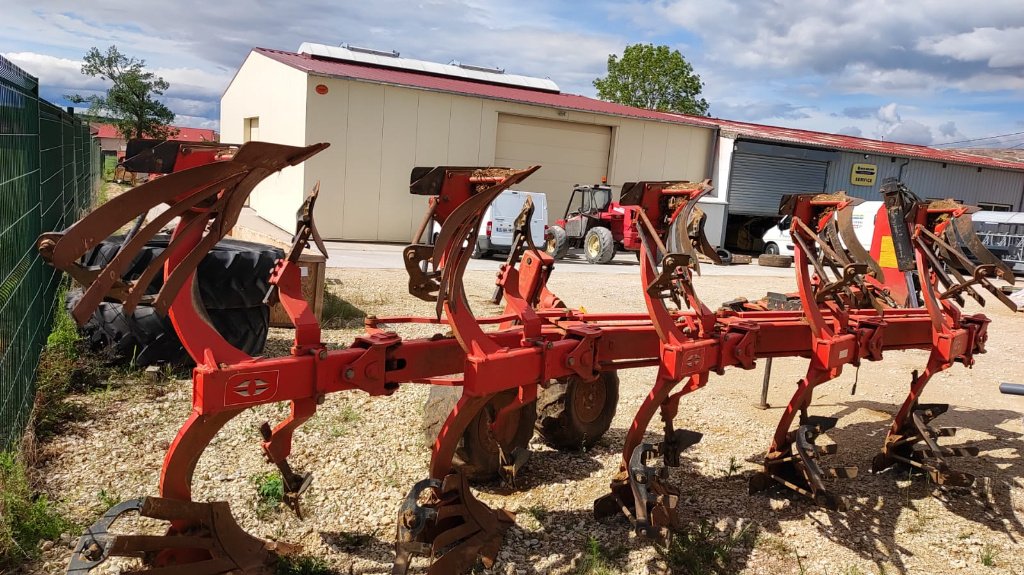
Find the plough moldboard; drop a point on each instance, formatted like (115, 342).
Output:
(540, 347)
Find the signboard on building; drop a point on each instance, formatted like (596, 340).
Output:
(863, 174)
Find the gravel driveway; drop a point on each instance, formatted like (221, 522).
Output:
(366, 452)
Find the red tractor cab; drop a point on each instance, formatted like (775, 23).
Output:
(591, 221)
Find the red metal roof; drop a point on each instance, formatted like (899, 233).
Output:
(184, 134)
(339, 69)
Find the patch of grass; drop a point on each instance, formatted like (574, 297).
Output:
(773, 545)
(339, 313)
(346, 416)
(538, 512)
(269, 492)
(597, 560)
(107, 499)
(988, 555)
(303, 565)
(62, 369)
(109, 164)
(26, 518)
(732, 469)
(703, 550)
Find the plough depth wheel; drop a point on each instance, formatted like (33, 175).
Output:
(573, 414)
(478, 456)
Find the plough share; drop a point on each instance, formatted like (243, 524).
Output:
(540, 346)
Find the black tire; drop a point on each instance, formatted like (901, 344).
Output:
(477, 454)
(774, 261)
(477, 253)
(557, 242)
(771, 249)
(599, 246)
(234, 274)
(573, 414)
(145, 338)
(724, 255)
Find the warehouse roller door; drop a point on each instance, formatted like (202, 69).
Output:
(758, 182)
(570, 153)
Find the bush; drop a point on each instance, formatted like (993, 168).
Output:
(26, 518)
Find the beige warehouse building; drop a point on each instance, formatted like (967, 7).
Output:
(384, 115)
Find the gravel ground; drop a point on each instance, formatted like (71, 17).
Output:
(365, 453)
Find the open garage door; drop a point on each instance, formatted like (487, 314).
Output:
(570, 153)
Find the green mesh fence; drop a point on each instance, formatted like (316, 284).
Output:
(49, 174)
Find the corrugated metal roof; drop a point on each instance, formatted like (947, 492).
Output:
(184, 134)
(340, 69)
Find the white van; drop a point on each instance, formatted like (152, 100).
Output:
(778, 241)
(499, 222)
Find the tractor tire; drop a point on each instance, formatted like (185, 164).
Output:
(573, 414)
(145, 338)
(774, 261)
(477, 454)
(233, 275)
(557, 242)
(599, 246)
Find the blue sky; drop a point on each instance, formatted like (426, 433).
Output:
(928, 72)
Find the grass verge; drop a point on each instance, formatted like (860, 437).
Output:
(27, 518)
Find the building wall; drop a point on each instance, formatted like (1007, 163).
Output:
(378, 133)
(276, 94)
(931, 180)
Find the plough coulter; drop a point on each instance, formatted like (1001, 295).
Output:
(538, 351)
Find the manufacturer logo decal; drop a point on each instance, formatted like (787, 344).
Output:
(256, 387)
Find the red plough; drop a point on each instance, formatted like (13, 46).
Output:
(540, 348)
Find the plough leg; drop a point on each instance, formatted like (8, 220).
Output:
(441, 519)
(913, 442)
(792, 459)
(277, 446)
(640, 491)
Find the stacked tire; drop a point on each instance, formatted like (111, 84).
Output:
(232, 280)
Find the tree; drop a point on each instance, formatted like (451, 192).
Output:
(653, 77)
(130, 101)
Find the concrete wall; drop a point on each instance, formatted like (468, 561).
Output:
(378, 133)
(276, 94)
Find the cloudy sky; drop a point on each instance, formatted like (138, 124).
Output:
(925, 72)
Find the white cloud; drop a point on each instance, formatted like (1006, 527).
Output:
(1000, 48)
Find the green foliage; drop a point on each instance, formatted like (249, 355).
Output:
(303, 565)
(653, 77)
(269, 492)
(107, 500)
(62, 369)
(703, 550)
(988, 556)
(338, 313)
(26, 518)
(596, 560)
(130, 101)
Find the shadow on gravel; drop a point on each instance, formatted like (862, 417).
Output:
(878, 502)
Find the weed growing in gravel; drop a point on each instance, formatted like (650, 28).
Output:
(773, 545)
(107, 499)
(732, 469)
(269, 492)
(338, 313)
(538, 512)
(347, 415)
(26, 518)
(988, 556)
(303, 565)
(704, 550)
(596, 560)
